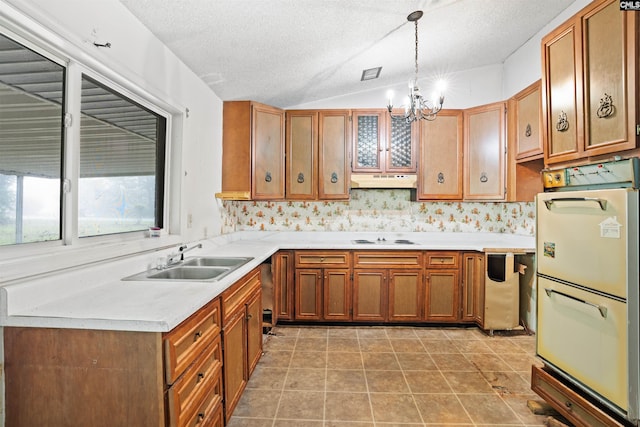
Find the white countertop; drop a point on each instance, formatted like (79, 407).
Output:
(95, 297)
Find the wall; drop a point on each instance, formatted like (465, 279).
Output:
(380, 210)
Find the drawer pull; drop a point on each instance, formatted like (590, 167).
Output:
(249, 317)
(200, 377)
(200, 417)
(197, 335)
(568, 404)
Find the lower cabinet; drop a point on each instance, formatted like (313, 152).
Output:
(442, 292)
(241, 336)
(473, 287)
(282, 269)
(387, 286)
(68, 377)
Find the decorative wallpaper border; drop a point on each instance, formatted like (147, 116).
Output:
(379, 210)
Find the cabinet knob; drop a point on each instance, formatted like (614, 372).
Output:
(267, 177)
(334, 177)
(300, 178)
(249, 317)
(484, 177)
(606, 107)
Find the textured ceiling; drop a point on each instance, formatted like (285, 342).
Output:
(290, 52)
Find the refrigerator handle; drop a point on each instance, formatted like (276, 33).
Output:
(601, 202)
(601, 309)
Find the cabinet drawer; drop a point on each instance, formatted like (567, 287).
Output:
(187, 340)
(322, 259)
(390, 259)
(568, 402)
(201, 380)
(209, 412)
(239, 292)
(442, 259)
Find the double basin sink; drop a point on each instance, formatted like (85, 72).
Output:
(200, 269)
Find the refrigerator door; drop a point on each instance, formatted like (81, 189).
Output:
(585, 237)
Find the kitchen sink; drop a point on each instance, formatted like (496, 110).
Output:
(199, 269)
(383, 242)
(204, 261)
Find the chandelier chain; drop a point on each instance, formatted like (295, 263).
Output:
(416, 25)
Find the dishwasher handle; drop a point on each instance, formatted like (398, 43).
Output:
(603, 203)
(601, 309)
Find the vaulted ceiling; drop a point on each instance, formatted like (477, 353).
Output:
(290, 52)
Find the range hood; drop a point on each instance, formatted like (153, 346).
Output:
(378, 180)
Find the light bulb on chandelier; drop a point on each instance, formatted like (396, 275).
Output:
(416, 106)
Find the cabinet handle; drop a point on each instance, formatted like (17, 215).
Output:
(267, 177)
(562, 125)
(527, 131)
(334, 177)
(569, 405)
(440, 178)
(197, 335)
(200, 377)
(300, 178)
(200, 417)
(484, 177)
(606, 107)
(249, 317)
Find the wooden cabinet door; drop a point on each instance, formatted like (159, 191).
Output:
(609, 70)
(268, 152)
(333, 158)
(337, 294)
(442, 296)
(527, 120)
(369, 295)
(405, 295)
(308, 294)
(484, 160)
(560, 82)
(440, 165)
(302, 154)
(473, 287)
(369, 140)
(400, 153)
(254, 331)
(282, 264)
(235, 362)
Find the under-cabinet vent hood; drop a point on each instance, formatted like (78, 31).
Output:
(383, 181)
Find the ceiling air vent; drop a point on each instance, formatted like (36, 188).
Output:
(370, 74)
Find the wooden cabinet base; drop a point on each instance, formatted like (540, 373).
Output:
(568, 402)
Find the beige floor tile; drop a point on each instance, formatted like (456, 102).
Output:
(508, 383)
(386, 381)
(286, 331)
(280, 343)
(501, 346)
(488, 409)
(380, 361)
(311, 344)
(275, 358)
(267, 378)
(427, 382)
(343, 332)
(347, 424)
(415, 361)
(441, 408)
(468, 382)
(518, 361)
(255, 403)
(313, 332)
(309, 359)
(301, 405)
(346, 380)
(372, 332)
(407, 345)
(464, 333)
(397, 408)
(472, 346)
(347, 407)
(344, 360)
(375, 345)
(306, 379)
(237, 421)
(439, 346)
(343, 344)
(488, 362)
(452, 362)
(518, 403)
(401, 333)
(430, 333)
(298, 423)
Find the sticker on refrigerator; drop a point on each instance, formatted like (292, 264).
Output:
(550, 249)
(610, 228)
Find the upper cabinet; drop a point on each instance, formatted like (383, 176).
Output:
(252, 151)
(317, 147)
(589, 84)
(484, 148)
(526, 112)
(383, 142)
(440, 159)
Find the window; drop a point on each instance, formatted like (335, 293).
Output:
(31, 132)
(121, 163)
(121, 166)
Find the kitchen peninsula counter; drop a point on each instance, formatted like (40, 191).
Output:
(94, 297)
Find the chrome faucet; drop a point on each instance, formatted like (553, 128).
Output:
(173, 259)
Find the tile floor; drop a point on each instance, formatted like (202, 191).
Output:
(389, 376)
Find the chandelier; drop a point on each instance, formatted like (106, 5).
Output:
(418, 107)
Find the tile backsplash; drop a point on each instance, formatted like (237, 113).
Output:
(379, 210)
